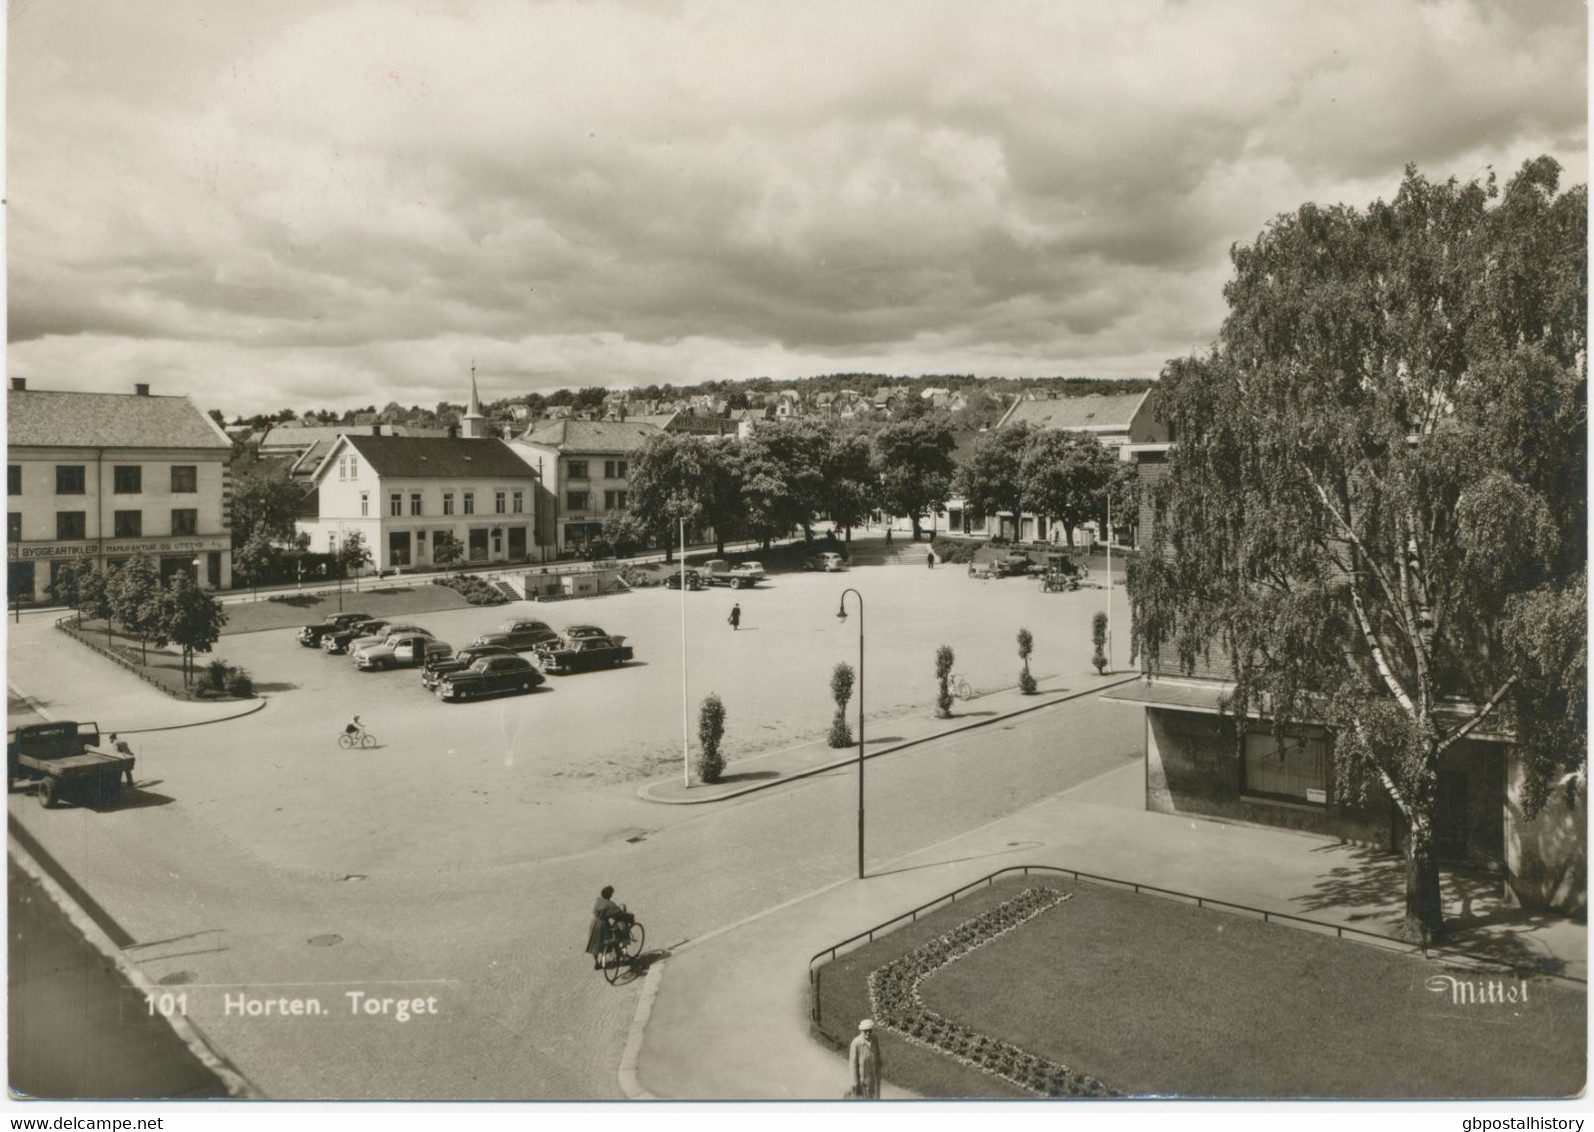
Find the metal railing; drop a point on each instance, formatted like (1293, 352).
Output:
(1339, 931)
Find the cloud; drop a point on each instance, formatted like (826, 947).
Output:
(329, 201)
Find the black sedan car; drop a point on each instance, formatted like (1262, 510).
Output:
(491, 675)
(435, 670)
(310, 636)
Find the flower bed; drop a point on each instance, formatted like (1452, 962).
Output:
(898, 1008)
(165, 671)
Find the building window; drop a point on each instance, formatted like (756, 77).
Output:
(415, 503)
(128, 479)
(615, 469)
(185, 520)
(500, 502)
(1295, 770)
(468, 502)
(395, 504)
(614, 501)
(576, 469)
(128, 524)
(13, 479)
(71, 524)
(498, 542)
(576, 500)
(517, 502)
(448, 502)
(185, 479)
(398, 548)
(343, 467)
(365, 504)
(354, 467)
(69, 479)
(14, 526)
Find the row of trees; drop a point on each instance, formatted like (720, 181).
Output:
(174, 613)
(790, 473)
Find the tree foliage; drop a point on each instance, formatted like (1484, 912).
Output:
(134, 590)
(677, 476)
(1380, 472)
(447, 550)
(992, 480)
(264, 504)
(188, 618)
(913, 464)
(944, 659)
(841, 681)
(710, 733)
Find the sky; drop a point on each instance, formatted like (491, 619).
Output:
(296, 205)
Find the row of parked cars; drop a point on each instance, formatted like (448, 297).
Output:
(491, 664)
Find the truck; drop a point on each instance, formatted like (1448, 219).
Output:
(67, 761)
(743, 575)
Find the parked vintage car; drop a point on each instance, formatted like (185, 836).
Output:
(310, 636)
(67, 761)
(370, 640)
(830, 562)
(581, 633)
(489, 676)
(338, 642)
(743, 575)
(585, 654)
(694, 579)
(435, 669)
(401, 650)
(519, 635)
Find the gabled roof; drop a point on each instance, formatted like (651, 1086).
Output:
(434, 457)
(1095, 412)
(44, 418)
(597, 437)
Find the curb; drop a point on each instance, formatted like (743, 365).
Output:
(630, 1084)
(644, 792)
(238, 1086)
(258, 707)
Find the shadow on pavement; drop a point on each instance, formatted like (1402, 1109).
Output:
(750, 776)
(276, 687)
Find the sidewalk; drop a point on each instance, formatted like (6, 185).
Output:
(760, 772)
(726, 1016)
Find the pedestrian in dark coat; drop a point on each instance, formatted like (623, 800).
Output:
(929, 559)
(604, 910)
(736, 616)
(863, 1058)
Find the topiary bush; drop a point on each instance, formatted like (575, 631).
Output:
(710, 732)
(841, 679)
(1026, 646)
(1098, 638)
(943, 670)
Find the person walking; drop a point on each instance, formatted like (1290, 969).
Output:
(929, 559)
(604, 911)
(736, 616)
(863, 1058)
(888, 536)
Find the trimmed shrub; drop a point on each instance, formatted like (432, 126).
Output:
(954, 550)
(710, 732)
(1098, 638)
(841, 679)
(1026, 646)
(943, 670)
(239, 683)
(477, 591)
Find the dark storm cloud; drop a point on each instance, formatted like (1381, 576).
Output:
(327, 201)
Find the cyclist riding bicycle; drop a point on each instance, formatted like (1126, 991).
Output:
(355, 728)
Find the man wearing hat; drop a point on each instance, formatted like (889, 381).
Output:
(863, 1056)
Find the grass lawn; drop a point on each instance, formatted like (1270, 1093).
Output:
(1155, 997)
(290, 611)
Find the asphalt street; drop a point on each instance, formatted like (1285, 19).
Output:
(454, 866)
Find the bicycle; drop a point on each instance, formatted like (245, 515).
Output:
(622, 944)
(958, 685)
(362, 738)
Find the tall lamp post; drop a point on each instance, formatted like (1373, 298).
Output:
(841, 615)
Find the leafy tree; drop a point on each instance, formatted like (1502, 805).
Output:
(993, 479)
(1065, 477)
(189, 618)
(710, 733)
(1026, 648)
(848, 485)
(1379, 474)
(781, 473)
(589, 397)
(264, 502)
(841, 679)
(913, 461)
(447, 550)
(68, 584)
(94, 598)
(255, 557)
(353, 555)
(624, 533)
(135, 596)
(675, 476)
(943, 672)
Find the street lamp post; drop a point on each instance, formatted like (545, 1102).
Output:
(841, 615)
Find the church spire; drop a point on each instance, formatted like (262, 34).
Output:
(475, 421)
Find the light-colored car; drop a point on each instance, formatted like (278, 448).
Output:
(401, 650)
(829, 561)
(743, 575)
(387, 631)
